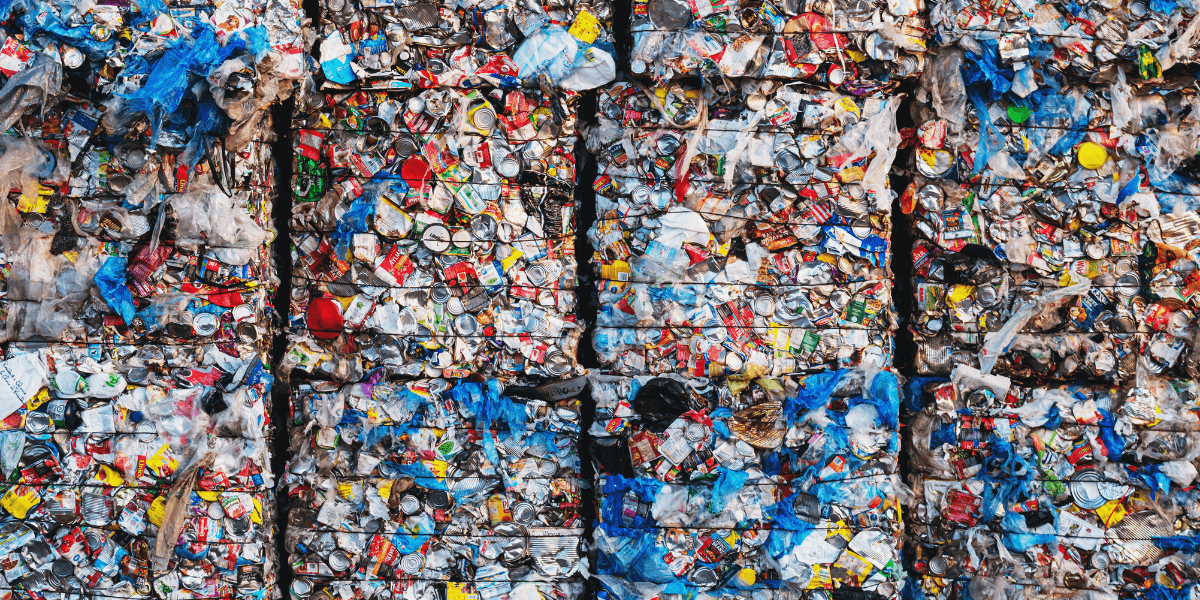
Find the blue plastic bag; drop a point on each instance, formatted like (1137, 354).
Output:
(111, 281)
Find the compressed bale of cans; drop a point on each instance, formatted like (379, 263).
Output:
(742, 229)
(383, 44)
(135, 472)
(786, 486)
(138, 283)
(433, 234)
(1052, 490)
(862, 46)
(433, 284)
(742, 253)
(1053, 201)
(434, 488)
(1054, 188)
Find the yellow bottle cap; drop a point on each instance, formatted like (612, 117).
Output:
(1092, 155)
(747, 576)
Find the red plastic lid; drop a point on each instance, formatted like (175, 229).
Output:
(415, 171)
(325, 318)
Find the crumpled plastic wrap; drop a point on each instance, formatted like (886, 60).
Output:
(137, 280)
(1054, 234)
(136, 473)
(739, 487)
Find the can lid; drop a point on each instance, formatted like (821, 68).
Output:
(703, 576)
(301, 588)
(215, 510)
(524, 513)
(465, 324)
(733, 363)
(62, 568)
(461, 238)
(509, 167)
(410, 504)
(1085, 489)
(483, 118)
(483, 227)
(339, 560)
(436, 238)
(440, 293)
(937, 565)
(72, 57)
(412, 563)
(37, 422)
(438, 499)
(205, 324)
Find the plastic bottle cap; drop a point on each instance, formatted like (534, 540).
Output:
(136, 416)
(1092, 155)
(747, 576)
(415, 171)
(1018, 114)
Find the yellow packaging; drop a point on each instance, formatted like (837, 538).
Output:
(19, 500)
(157, 511)
(821, 578)
(959, 292)
(586, 27)
(109, 476)
(162, 462)
(38, 399)
(460, 591)
(498, 511)
(507, 262)
(439, 468)
(1111, 513)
